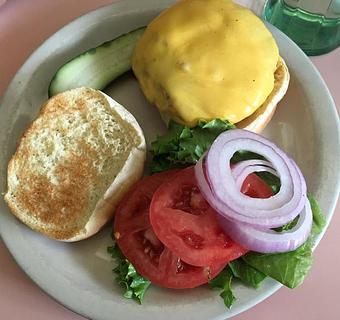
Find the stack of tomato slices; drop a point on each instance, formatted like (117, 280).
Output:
(171, 235)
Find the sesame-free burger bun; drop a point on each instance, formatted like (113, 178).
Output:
(74, 163)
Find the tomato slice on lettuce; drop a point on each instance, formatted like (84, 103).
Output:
(183, 220)
(142, 248)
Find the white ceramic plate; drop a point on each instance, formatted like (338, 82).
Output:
(79, 275)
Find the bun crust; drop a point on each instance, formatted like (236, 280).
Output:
(74, 164)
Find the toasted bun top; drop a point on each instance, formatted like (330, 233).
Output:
(67, 160)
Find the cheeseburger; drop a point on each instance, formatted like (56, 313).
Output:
(206, 59)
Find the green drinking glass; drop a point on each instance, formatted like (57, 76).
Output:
(313, 24)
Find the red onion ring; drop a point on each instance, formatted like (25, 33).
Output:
(259, 238)
(240, 166)
(267, 240)
(250, 223)
(226, 196)
(248, 170)
(244, 168)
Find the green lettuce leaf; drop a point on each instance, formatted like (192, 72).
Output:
(223, 282)
(287, 226)
(319, 220)
(127, 277)
(182, 146)
(272, 180)
(246, 273)
(290, 268)
(243, 155)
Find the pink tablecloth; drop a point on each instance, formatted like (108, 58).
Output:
(23, 27)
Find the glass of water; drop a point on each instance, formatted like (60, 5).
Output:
(313, 24)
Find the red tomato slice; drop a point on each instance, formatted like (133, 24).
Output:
(188, 226)
(141, 246)
(253, 186)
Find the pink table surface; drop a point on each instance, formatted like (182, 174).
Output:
(24, 25)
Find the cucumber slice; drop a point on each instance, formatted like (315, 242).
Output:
(97, 67)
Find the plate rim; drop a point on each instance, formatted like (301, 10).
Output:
(161, 3)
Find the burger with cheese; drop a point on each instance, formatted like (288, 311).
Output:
(206, 59)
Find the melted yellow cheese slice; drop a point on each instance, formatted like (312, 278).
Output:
(206, 59)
